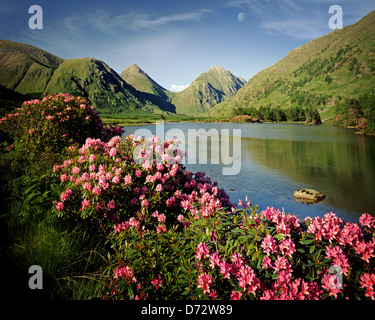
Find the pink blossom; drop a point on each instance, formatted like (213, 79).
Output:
(85, 203)
(180, 218)
(269, 244)
(367, 281)
(116, 180)
(162, 217)
(96, 190)
(161, 228)
(367, 220)
(159, 188)
(202, 251)
(63, 177)
(287, 247)
(87, 186)
(145, 203)
(138, 173)
(215, 259)
(127, 180)
(157, 282)
(111, 204)
(60, 206)
(204, 281)
(125, 273)
(113, 152)
(76, 170)
(331, 284)
(267, 262)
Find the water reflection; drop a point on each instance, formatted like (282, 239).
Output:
(277, 159)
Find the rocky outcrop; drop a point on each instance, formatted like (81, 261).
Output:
(308, 195)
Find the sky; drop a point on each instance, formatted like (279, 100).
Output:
(175, 41)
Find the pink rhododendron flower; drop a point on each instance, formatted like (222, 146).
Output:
(85, 203)
(205, 282)
(157, 282)
(269, 244)
(161, 228)
(113, 152)
(202, 251)
(126, 273)
(60, 206)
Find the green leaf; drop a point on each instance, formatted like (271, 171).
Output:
(312, 248)
(307, 241)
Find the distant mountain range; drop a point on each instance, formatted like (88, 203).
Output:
(318, 74)
(30, 71)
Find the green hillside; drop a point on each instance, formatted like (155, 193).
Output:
(210, 88)
(26, 69)
(94, 80)
(318, 74)
(147, 89)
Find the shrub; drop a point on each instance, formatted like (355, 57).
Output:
(106, 184)
(268, 255)
(55, 122)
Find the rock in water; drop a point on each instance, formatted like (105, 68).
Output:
(308, 196)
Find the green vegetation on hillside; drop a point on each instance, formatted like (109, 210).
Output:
(358, 112)
(210, 88)
(315, 75)
(293, 114)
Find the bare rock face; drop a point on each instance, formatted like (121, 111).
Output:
(308, 196)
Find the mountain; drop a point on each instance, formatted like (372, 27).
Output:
(31, 71)
(94, 80)
(148, 89)
(24, 68)
(210, 88)
(318, 74)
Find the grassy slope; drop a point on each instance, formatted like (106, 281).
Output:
(93, 79)
(347, 56)
(210, 88)
(147, 89)
(24, 68)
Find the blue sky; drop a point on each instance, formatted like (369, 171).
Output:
(175, 41)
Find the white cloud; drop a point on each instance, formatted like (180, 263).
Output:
(177, 88)
(301, 29)
(104, 21)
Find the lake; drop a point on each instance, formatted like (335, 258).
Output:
(277, 159)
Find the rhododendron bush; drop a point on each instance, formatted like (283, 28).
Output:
(248, 255)
(174, 234)
(55, 122)
(106, 185)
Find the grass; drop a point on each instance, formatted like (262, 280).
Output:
(72, 258)
(143, 118)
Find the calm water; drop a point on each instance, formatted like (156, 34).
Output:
(277, 159)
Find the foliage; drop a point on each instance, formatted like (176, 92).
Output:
(357, 112)
(53, 123)
(168, 233)
(248, 255)
(308, 115)
(113, 182)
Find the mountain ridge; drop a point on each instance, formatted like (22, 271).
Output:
(313, 74)
(30, 71)
(208, 89)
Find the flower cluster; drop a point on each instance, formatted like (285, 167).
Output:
(268, 256)
(103, 181)
(55, 121)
